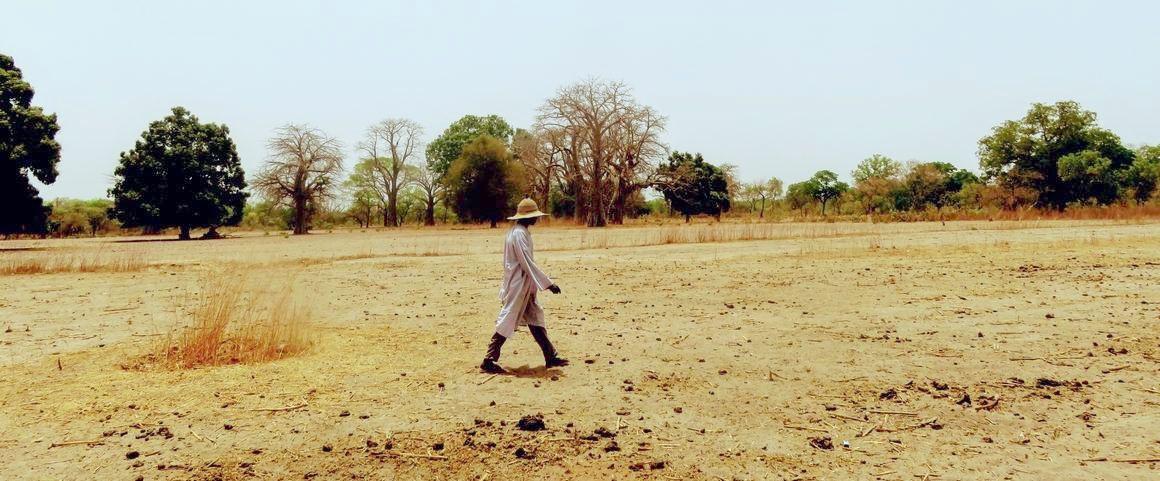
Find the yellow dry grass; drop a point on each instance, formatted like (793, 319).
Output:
(236, 322)
(54, 263)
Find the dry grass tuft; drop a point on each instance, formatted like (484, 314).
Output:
(54, 263)
(237, 323)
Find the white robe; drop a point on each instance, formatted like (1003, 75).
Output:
(522, 278)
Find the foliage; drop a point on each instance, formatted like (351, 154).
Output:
(700, 188)
(363, 187)
(484, 182)
(72, 217)
(876, 166)
(267, 215)
(876, 181)
(935, 183)
(27, 147)
(445, 149)
(1144, 174)
(824, 186)
(1090, 176)
(762, 191)
(180, 173)
(799, 195)
(1026, 153)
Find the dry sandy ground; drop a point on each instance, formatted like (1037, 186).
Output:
(695, 361)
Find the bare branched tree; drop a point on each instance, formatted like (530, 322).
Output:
(604, 145)
(302, 171)
(542, 158)
(427, 180)
(591, 111)
(639, 151)
(397, 142)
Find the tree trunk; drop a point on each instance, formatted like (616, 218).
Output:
(300, 216)
(762, 216)
(184, 235)
(429, 218)
(688, 218)
(596, 214)
(392, 214)
(493, 223)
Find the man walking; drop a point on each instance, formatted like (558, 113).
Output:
(522, 279)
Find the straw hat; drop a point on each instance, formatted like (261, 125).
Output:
(526, 210)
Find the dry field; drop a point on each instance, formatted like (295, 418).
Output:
(970, 350)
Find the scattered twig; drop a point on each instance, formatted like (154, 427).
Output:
(1114, 369)
(413, 455)
(849, 418)
(806, 428)
(1130, 461)
(286, 408)
(480, 383)
(899, 413)
(90, 442)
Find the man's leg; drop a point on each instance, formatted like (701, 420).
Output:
(534, 317)
(505, 326)
(490, 361)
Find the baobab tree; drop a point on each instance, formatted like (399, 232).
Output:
(591, 111)
(393, 143)
(302, 171)
(639, 150)
(542, 160)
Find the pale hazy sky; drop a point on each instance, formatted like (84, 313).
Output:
(779, 88)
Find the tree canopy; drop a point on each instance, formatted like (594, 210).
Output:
(824, 186)
(181, 173)
(27, 147)
(484, 182)
(1028, 153)
(698, 187)
(1144, 174)
(445, 149)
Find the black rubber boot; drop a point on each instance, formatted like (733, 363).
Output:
(551, 357)
(489, 361)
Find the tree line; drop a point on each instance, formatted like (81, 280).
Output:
(591, 155)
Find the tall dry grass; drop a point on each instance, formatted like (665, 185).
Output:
(54, 263)
(236, 321)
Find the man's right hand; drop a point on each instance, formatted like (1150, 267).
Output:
(554, 288)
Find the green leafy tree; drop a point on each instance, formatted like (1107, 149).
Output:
(267, 215)
(875, 180)
(73, 217)
(446, 148)
(484, 182)
(181, 173)
(934, 183)
(27, 147)
(697, 187)
(824, 186)
(1091, 177)
(759, 193)
(365, 184)
(1026, 153)
(799, 195)
(1144, 174)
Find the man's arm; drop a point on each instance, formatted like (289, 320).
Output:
(524, 255)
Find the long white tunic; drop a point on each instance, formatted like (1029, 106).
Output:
(522, 278)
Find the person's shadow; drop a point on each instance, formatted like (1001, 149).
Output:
(542, 372)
